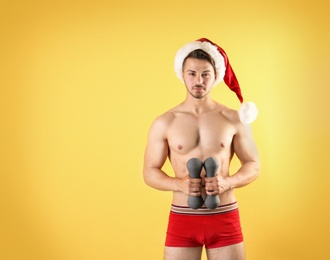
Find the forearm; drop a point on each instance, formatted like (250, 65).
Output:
(245, 175)
(159, 180)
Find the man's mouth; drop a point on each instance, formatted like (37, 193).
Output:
(198, 87)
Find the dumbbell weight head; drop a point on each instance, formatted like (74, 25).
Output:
(194, 166)
(211, 166)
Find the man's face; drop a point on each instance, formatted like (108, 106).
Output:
(198, 76)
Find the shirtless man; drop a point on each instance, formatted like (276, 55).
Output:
(200, 127)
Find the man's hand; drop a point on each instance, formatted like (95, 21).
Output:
(191, 186)
(195, 187)
(216, 185)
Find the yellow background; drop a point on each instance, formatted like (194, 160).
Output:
(81, 82)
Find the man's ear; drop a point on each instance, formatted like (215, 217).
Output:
(215, 77)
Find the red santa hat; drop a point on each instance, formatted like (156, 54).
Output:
(248, 111)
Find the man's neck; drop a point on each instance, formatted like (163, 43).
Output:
(199, 106)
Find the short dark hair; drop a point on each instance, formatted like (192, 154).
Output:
(200, 55)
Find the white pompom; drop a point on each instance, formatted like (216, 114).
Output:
(248, 112)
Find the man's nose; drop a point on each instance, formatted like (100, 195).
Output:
(199, 79)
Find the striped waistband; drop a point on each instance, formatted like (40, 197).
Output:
(204, 211)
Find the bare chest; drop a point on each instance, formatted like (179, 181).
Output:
(204, 135)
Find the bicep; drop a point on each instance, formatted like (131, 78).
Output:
(157, 148)
(244, 145)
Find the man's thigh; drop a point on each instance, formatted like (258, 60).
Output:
(183, 253)
(232, 252)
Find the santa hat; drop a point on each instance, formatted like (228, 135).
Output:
(248, 111)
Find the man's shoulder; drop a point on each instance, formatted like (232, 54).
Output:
(232, 117)
(170, 114)
(228, 113)
(164, 119)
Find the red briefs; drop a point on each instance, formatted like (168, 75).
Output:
(210, 227)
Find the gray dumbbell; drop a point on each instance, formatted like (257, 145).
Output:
(194, 166)
(211, 166)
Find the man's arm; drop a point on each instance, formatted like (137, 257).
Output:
(247, 153)
(155, 156)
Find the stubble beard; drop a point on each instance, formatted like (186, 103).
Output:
(198, 95)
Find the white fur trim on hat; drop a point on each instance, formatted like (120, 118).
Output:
(207, 47)
(248, 112)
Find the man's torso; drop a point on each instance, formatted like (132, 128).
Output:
(209, 134)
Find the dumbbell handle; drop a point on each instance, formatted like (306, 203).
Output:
(211, 166)
(194, 166)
